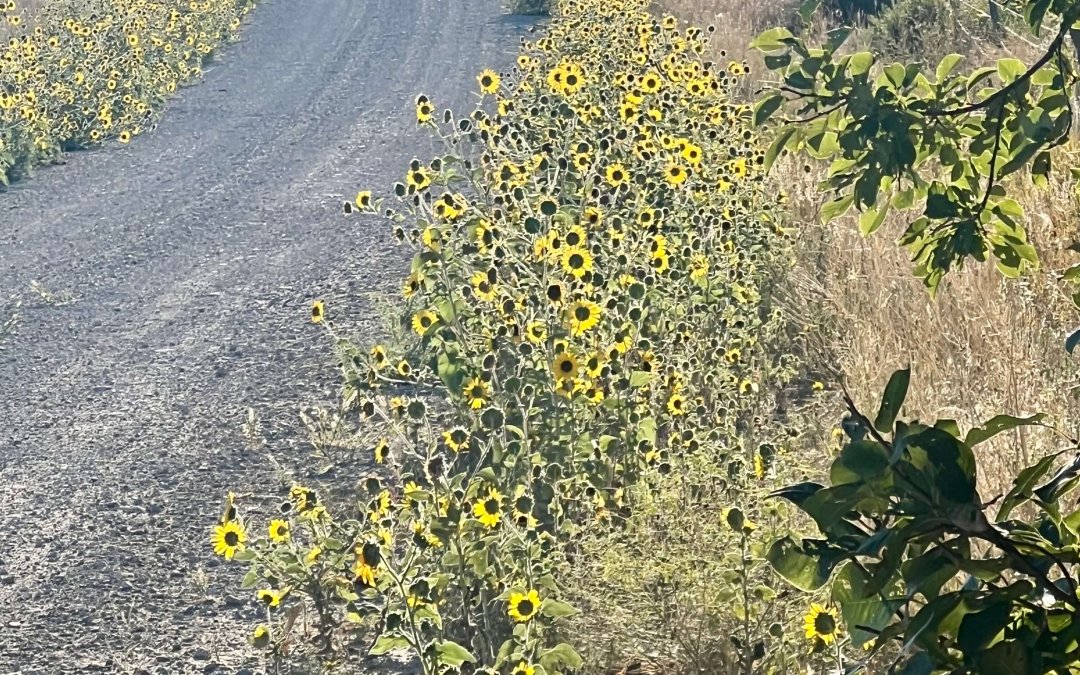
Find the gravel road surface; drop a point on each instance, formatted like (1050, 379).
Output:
(192, 255)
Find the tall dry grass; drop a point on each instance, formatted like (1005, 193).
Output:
(986, 345)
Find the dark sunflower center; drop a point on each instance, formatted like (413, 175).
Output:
(486, 81)
(824, 624)
(425, 321)
(525, 607)
(571, 80)
(577, 261)
(491, 506)
(232, 538)
(581, 313)
(554, 293)
(566, 365)
(616, 175)
(477, 391)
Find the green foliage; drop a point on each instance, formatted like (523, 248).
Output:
(923, 568)
(587, 302)
(934, 139)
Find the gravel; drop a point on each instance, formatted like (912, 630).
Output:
(192, 255)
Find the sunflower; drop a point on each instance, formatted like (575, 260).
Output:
(272, 598)
(228, 539)
(476, 392)
(535, 332)
(676, 404)
(583, 315)
(418, 178)
(616, 175)
(482, 286)
(413, 283)
(378, 356)
(523, 669)
(699, 267)
(363, 199)
(489, 509)
(365, 568)
(261, 636)
(524, 606)
(423, 320)
(403, 368)
(822, 623)
(576, 261)
(382, 449)
(279, 531)
(318, 311)
(565, 366)
(675, 174)
(489, 81)
(456, 439)
(425, 111)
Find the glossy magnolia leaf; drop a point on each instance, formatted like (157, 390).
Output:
(772, 40)
(999, 424)
(453, 654)
(1005, 658)
(980, 628)
(803, 571)
(865, 458)
(835, 208)
(1024, 484)
(764, 108)
(871, 219)
(1074, 337)
(797, 494)
(947, 66)
(865, 614)
(777, 146)
(895, 393)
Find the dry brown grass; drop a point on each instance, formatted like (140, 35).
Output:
(986, 346)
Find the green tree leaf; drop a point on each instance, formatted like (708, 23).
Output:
(453, 654)
(895, 393)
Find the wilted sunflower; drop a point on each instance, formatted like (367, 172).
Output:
(524, 606)
(583, 315)
(489, 509)
(489, 81)
(261, 636)
(272, 598)
(279, 531)
(318, 311)
(456, 439)
(476, 392)
(228, 539)
(822, 623)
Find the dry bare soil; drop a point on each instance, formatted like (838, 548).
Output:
(193, 254)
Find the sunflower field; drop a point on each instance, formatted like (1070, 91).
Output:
(570, 446)
(78, 72)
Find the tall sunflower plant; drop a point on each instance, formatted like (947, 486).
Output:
(586, 305)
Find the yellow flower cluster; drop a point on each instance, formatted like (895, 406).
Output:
(585, 297)
(89, 71)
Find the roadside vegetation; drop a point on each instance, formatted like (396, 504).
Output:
(74, 74)
(645, 271)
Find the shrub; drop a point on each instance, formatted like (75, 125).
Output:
(588, 302)
(90, 71)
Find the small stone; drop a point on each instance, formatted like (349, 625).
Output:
(201, 654)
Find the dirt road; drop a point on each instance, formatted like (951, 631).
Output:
(192, 255)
